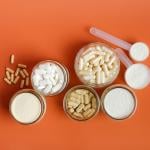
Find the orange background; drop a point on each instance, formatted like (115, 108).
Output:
(36, 30)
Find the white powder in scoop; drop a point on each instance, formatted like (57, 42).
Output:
(26, 107)
(139, 51)
(137, 76)
(119, 103)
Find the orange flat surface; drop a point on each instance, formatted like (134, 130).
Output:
(36, 30)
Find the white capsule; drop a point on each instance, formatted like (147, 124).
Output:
(47, 89)
(36, 79)
(52, 80)
(80, 64)
(98, 48)
(107, 57)
(108, 50)
(102, 77)
(88, 58)
(96, 60)
(57, 87)
(44, 66)
(40, 71)
(102, 61)
(111, 60)
(106, 71)
(98, 78)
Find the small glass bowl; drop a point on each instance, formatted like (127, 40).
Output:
(42, 102)
(82, 51)
(118, 86)
(64, 70)
(86, 88)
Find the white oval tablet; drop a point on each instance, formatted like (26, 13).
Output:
(137, 76)
(119, 103)
(26, 108)
(139, 51)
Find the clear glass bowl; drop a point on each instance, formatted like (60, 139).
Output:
(82, 51)
(39, 96)
(81, 87)
(64, 70)
(118, 86)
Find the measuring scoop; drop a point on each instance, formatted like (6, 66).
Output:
(137, 75)
(139, 51)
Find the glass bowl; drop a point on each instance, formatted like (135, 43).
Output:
(100, 50)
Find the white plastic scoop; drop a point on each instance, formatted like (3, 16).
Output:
(137, 75)
(139, 51)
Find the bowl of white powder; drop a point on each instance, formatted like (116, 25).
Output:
(27, 106)
(119, 102)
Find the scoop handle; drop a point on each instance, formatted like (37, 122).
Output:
(123, 57)
(110, 38)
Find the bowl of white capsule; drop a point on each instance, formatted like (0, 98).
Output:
(49, 77)
(97, 65)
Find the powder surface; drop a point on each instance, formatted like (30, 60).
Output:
(119, 103)
(139, 51)
(26, 107)
(137, 76)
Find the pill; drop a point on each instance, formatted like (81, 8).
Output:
(73, 104)
(111, 60)
(7, 81)
(80, 64)
(106, 71)
(79, 108)
(107, 57)
(57, 87)
(86, 113)
(71, 110)
(107, 50)
(17, 71)
(16, 79)
(88, 57)
(9, 70)
(22, 74)
(96, 60)
(75, 95)
(91, 113)
(98, 77)
(25, 72)
(88, 106)
(12, 58)
(94, 102)
(101, 61)
(81, 91)
(8, 76)
(73, 99)
(12, 77)
(102, 77)
(86, 99)
(78, 114)
(98, 48)
(82, 99)
(47, 89)
(22, 66)
(27, 81)
(22, 83)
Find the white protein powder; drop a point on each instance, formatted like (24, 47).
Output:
(26, 108)
(139, 51)
(119, 103)
(137, 76)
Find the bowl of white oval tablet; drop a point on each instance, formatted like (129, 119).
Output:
(27, 106)
(97, 65)
(119, 102)
(81, 103)
(49, 77)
